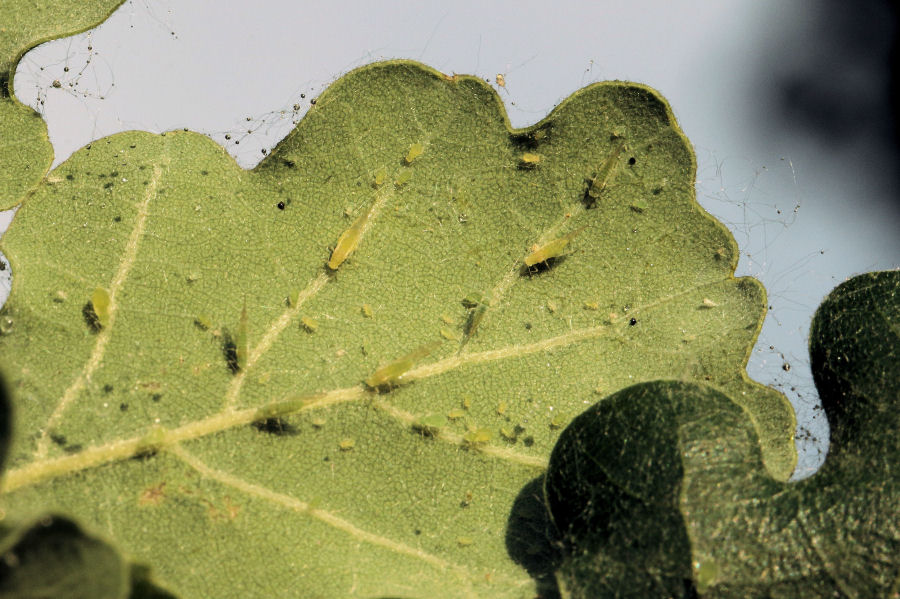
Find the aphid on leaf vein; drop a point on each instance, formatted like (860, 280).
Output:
(551, 249)
(605, 175)
(309, 325)
(348, 241)
(391, 374)
(100, 304)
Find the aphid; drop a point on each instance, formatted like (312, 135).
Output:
(456, 414)
(203, 322)
(432, 421)
(404, 177)
(530, 159)
(591, 306)
(380, 176)
(639, 205)
(501, 80)
(309, 324)
(391, 374)
(366, 310)
(606, 172)
(348, 241)
(318, 422)
(464, 541)
(551, 249)
(100, 304)
(415, 150)
(508, 433)
(449, 335)
(241, 347)
(466, 402)
(446, 319)
(552, 307)
(557, 421)
(347, 444)
(477, 436)
(501, 408)
(708, 303)
(478, 306)
(294, 297)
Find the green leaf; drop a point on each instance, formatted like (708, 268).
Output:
(659, 491)
(409, 184)
(54, 558)
(25, 151)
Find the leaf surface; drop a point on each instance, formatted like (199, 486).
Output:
(659, 491)
(190, 374)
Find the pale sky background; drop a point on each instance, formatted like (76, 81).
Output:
(786, 104)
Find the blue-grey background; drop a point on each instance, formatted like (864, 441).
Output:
(788, 105)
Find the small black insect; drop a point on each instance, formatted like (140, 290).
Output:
(281, 205)
(633, 321)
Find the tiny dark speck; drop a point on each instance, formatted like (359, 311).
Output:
(417, 531)
(117, 219)
(633, 321)
(631, 161)
(527, 326)
(281, 205)
(123, 407)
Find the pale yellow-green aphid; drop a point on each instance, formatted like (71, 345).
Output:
(415, 150)
(309, 324)
(348, 241)
(380, 176)
(456, 413)
(404, 177)
(391, 374)
(367, 311)
(100, 304)
(477, 436)
(606, 172)
(551, 249)
(241, 347)
(530, 159)
(347, 444)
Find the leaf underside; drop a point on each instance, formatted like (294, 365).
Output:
(174, 425)
(659, 490)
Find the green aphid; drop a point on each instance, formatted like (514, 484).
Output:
(415, 150)
(478, 305)
(309, 325)
(294, 297)
(242, 350)
(456, 414)
(203, 322)
(606, 173)
(367, 311)
(432, 421)
(380, 176)
(557, 421)
(551, 249)
(478, 436)
(391, 374)
(348, 241)
(404, 177)
(100, 303)
(639, 205)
